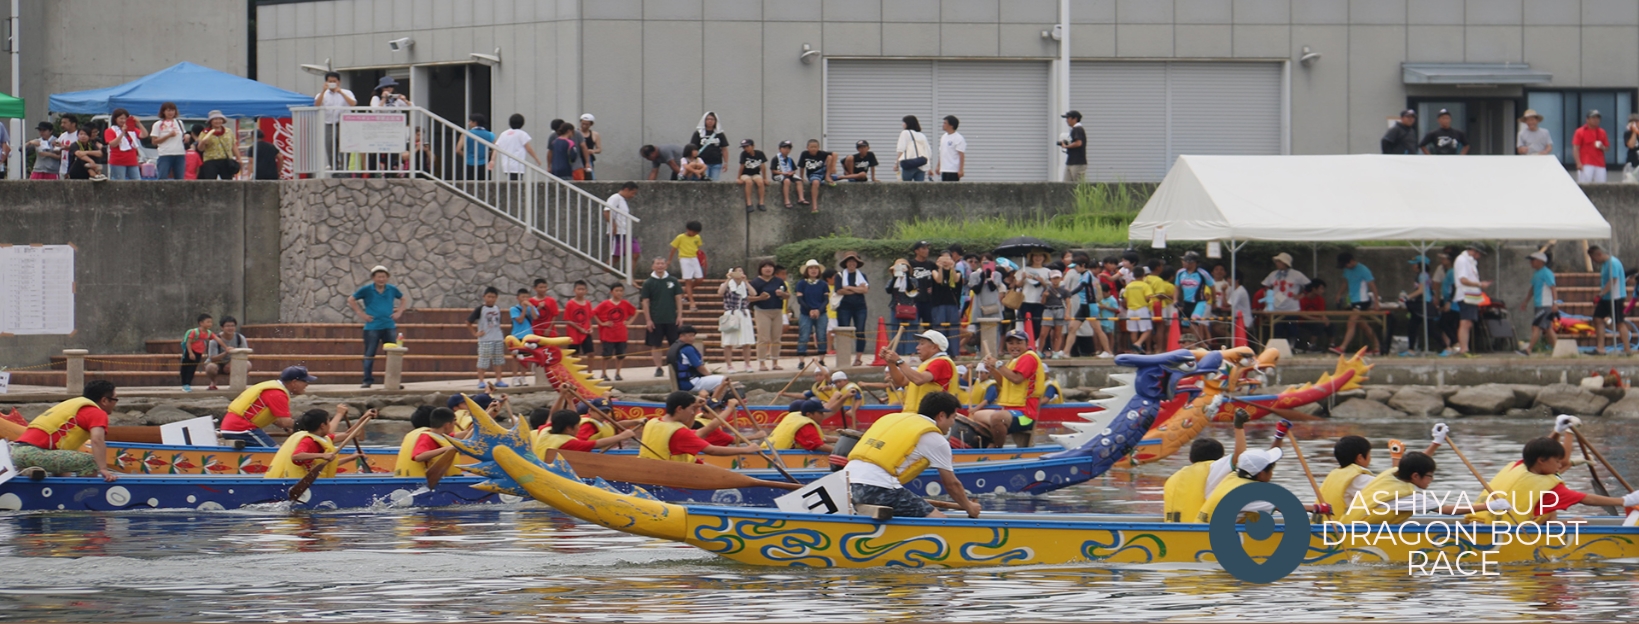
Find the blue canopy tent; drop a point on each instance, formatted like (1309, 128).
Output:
(196, 91)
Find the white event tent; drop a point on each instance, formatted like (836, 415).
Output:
(1419, 199)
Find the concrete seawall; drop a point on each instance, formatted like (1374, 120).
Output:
(153, 255)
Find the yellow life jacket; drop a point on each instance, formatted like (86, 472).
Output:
(406, 465)
(463, 420)
(1234, 480)
(54, 419)
(1522, 489)
(896, 396)
(976, 394)
(546, 440)
(1334, 490)
(657, 435)
(1058, 394)
(261, 418)
(915, 392)
(1507, 474)
(889, 442)
(823, 391)
(1378, 503)
(784, 435)
(604, 430)
(283, 467)
(1185, 492)
(1034, 387)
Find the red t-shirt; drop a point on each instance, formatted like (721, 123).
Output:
(718, 437)
(1312, 304)
(424, 444)
(578, 315)
(274, 400)
(1567, 497)
(121, 157)
(942, 370)
(685, 442)
(87, 418)
(310, 445)
(1584, 141)
(546, 309)
(809, 437)
(585, 446)
(586, 431)
(1027, 366)
(615, 314)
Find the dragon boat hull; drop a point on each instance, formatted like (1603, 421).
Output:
(235, 492)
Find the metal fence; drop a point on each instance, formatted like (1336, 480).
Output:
(411, 142)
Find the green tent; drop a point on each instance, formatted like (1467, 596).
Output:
(11, 107)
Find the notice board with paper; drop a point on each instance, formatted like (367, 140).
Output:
(36, 289)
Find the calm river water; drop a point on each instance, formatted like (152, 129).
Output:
(527, 562)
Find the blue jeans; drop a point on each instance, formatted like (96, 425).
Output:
(913, 175)
(947, 319)
(807, 325)
(171, 167)
(712, 171)
(855, 317)
(372, 341)
(124, 172)
(254, 437)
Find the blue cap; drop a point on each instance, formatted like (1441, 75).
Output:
(811, 406)
(297, 373)
(1017, 334)
(1419, 260)
(796, 406)
(483, 400)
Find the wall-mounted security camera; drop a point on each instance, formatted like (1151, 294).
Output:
(1309, 57)
(317, 70)
(401, 44)
(808, 54)
(487, 60)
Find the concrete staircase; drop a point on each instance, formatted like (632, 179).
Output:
(441, 348)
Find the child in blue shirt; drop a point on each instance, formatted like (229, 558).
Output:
(523, 318)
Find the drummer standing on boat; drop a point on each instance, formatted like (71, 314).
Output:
(52, 442)
(266, 403)
(937, 373)
(897, 448)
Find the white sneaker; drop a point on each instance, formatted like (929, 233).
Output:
(1105, 355)
(1060, 355)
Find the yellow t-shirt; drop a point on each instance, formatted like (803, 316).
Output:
(1161, 288)
(1137, 295)
(688, 245)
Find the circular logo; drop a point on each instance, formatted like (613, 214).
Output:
(1226, 541)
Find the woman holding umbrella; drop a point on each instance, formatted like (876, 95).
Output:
(1033, 278)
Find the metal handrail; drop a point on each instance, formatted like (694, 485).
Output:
(546, 205)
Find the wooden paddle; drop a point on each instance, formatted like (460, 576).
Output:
(1601, 457)
(1598, 485)
(364, 463)
(741, 405)
(1470, 465)
(1289, 414)
(1293, 437)
(438, 467)
(574, 395)
(794, 378)
(775, 461)
(317, 468)
(645, 471)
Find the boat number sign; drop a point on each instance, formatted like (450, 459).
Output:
(827, 496)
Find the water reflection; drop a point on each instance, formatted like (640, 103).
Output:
(526, 562)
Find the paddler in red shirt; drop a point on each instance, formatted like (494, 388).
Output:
(671, 433)
(555, 430)
(266, 403)
(52, 442)
(313, 440)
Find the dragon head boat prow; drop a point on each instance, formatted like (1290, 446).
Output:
(563, 370)
(487, 438)
(1113, 432)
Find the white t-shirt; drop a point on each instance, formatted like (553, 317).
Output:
(1033, 288)
(398, 102)
(66, 142)
(932, 445)
(1240, 306)
(619, 223)
(511, 145)
(1221, 469)
(1465, 268)
(171, 146)
(951, 148)
(1284, 288)
(335, 102)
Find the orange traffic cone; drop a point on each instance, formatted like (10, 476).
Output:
(1172, 334)
(1029, 331)
(1240, 331)
(881, 331)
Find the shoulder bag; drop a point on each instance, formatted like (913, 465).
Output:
(916, 162)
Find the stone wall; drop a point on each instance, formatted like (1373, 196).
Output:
(151, 256)
(442, 249)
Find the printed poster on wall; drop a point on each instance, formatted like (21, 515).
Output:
(374, 133)
(36, 289)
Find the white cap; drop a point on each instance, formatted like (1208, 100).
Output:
(938, 339)
(838, 376)
(379, 269)
(1254, 461)
(961, 369)
(587, 117)
(1537, 255)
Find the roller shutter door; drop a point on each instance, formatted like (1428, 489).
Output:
(1140, 116)
(1000, 105)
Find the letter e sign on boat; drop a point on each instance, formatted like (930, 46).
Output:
(828, 496)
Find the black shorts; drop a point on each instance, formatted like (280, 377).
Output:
(612, 349)
(1544, 319)
(1470, 313)
(662, 332)
(949, 176)
(1610, 308)
(905, 504)
(584, 347)
(1363, 305)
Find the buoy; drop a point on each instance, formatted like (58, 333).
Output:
(881, 331)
